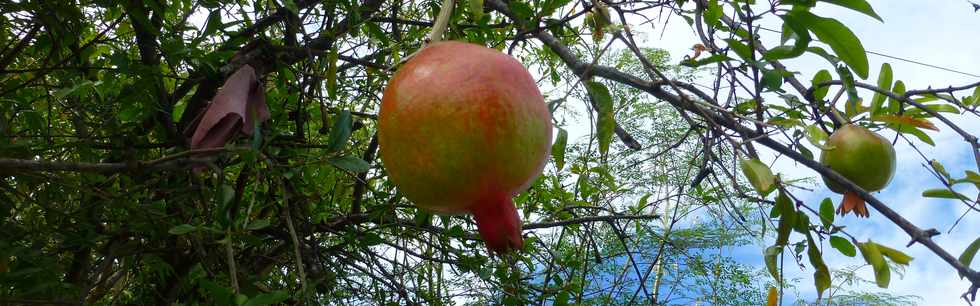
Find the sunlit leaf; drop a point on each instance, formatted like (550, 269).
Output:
(896, 256)
(758, 175)
(871, 254)
(845, 247)
(944, 193)
(884, 82)
(771, 256)
(971, 251)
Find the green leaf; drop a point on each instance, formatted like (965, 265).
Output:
(76, 90)
(821, 275)
(893, 105)
(341, 131)
(816, 136)
(34, 120)
(350, 163)
(884, 81)
(857, 5)
(268, 299)
(772, 80)
(713, 13)
(827, 212)
(787, 218)
(791, 28)
(605, 123)
(213, 23)
(853, 105)
(558, 148)
(820, 92)
(771, 256)
(967, 257)
(936, 165)
(871, 254)
(895, 255)
(971, 177)
(759, 175)
(802, 224)
(476, 8)
(840, 39)
(705, 61)
(908, 129)
(845, 247)
(182, 229)
(943, 193)
(740, 49)
(332, 73)
(259, 224)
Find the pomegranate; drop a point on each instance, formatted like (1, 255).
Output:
(863, 157)
(462, 129)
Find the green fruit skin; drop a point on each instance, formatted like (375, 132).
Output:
(461, 124)
(860, 155)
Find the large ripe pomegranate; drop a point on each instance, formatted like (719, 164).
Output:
(463, 128)
(863, 157)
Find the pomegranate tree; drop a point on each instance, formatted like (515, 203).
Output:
(863, 157)
(462, 129)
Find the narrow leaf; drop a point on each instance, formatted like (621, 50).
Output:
(895, 255)
(771, 256)
(893, 105)
(605, 123)
(341, 131)
(787, 218)
(821, 275)
(558, 148)
(943, 193)
(350, 163)
(884, 82)
(967, 257)
(182, 229)
(332, 73)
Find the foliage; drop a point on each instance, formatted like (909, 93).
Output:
(102, 200)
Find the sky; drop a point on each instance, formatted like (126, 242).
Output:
(941, 33)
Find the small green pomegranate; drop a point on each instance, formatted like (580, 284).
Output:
(862, 156)
(462, 129)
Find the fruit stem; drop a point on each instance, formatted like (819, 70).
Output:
(439, 27)
(442, 21)
(498, 222)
